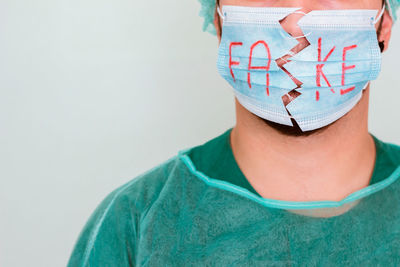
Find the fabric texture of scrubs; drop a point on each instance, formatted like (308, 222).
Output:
(198, 209)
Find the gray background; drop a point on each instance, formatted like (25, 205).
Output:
(93, 93)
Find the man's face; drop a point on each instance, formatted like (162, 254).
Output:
(383, 27)
(307, 5)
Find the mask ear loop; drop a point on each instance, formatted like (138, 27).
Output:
(380, 14)
(220, 13)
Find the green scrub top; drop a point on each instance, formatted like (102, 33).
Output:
(198, 209)
(215, 158)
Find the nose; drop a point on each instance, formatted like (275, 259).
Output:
(290, 22)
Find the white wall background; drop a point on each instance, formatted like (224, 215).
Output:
(93, 93)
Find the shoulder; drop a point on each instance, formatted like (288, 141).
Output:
(144, 189)
(390, 151)
(109, 236)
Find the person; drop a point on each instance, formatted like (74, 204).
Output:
(299, 186)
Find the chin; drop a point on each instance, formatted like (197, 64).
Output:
(293, 130)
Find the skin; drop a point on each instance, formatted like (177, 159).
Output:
(327, 164)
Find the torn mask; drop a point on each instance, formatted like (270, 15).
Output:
(314, 85)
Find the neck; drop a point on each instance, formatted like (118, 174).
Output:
(327, 165)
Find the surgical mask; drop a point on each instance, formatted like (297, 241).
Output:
(343, 55)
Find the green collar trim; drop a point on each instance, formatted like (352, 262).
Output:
(281, 204)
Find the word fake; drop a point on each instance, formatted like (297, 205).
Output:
(319, 71)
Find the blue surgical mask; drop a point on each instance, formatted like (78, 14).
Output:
(327, 77)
